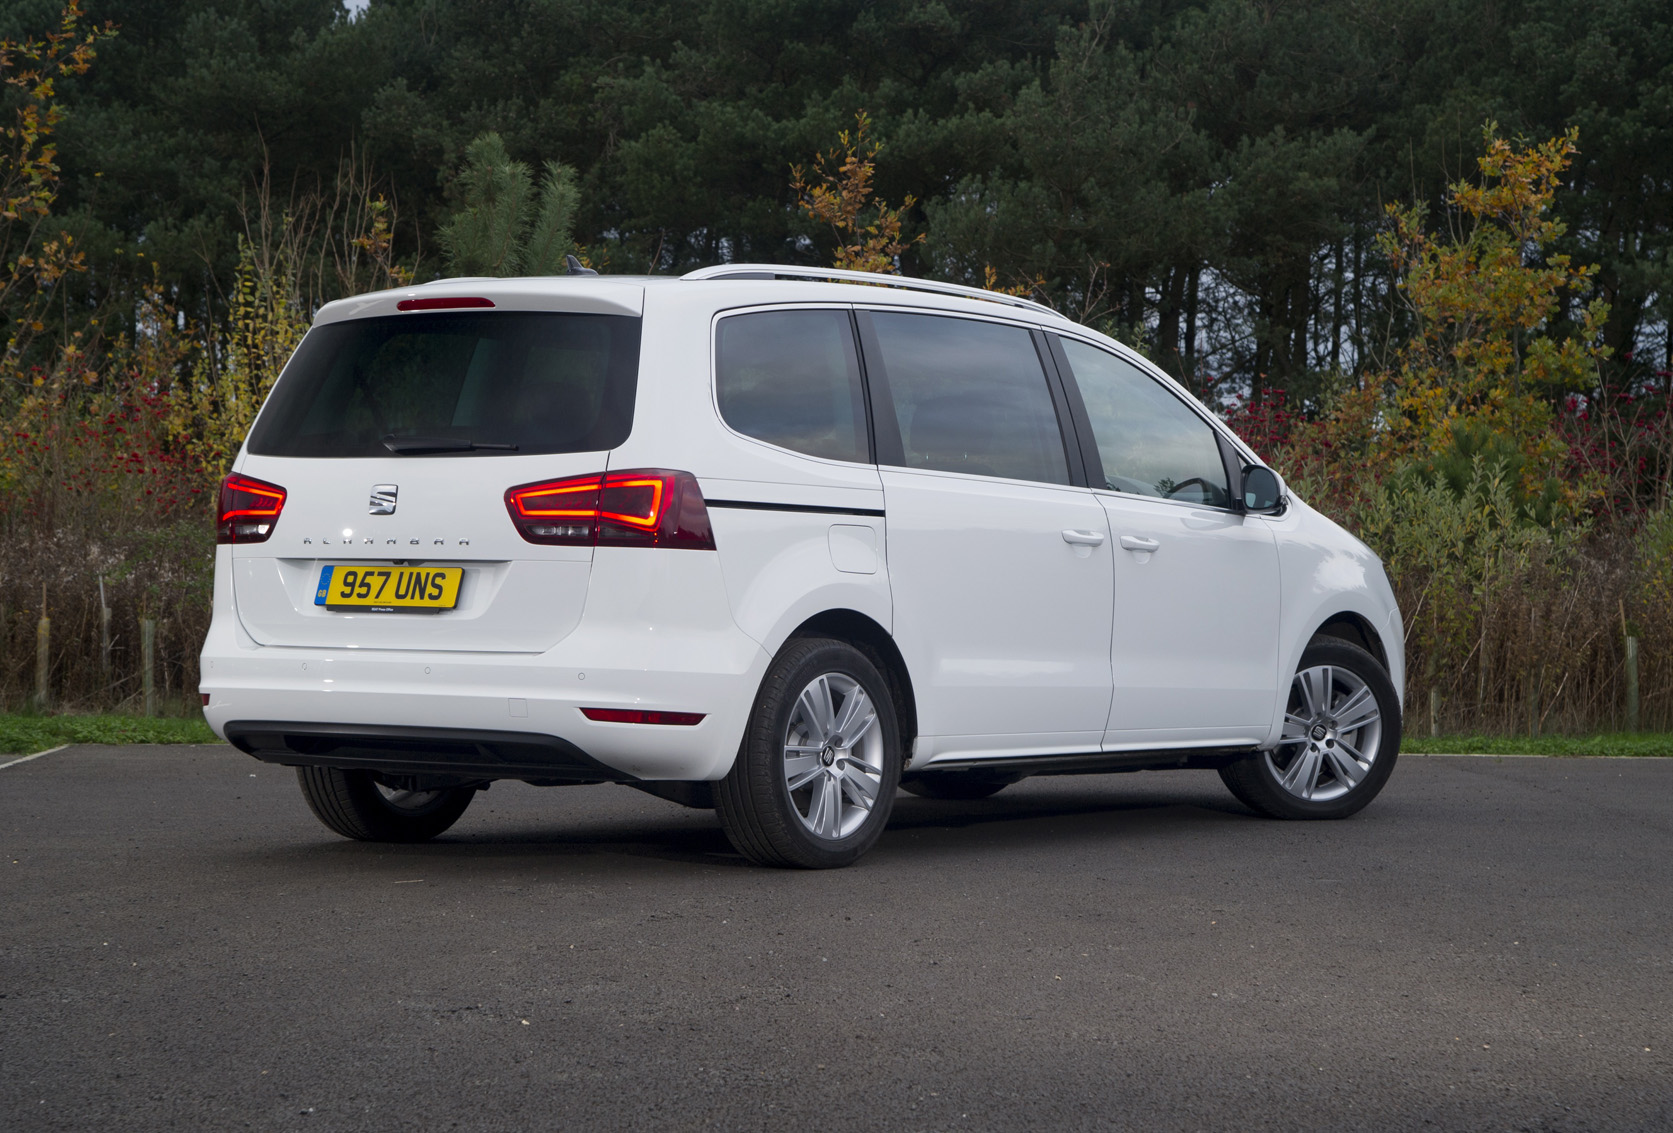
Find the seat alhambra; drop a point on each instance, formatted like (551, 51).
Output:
(778, 542)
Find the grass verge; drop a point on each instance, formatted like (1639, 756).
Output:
(1608, 743)
(21, 735)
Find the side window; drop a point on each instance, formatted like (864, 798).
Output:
(970, 397)
(792, 378)
(1150, 442)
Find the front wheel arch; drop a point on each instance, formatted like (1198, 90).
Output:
(1355, 630)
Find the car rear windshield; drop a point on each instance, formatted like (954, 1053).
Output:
(456, 384)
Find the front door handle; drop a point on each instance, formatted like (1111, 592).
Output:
(1083, 538)
(1139, 543)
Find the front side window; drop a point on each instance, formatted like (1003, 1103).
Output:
(455, 384)
(970, 397)
(1150, 442)
(792, 379)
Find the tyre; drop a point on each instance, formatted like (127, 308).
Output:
(963, 785)
(1341, 735)
(355, 805)
(815, 777)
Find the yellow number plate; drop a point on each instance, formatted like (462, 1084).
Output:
(368, 586)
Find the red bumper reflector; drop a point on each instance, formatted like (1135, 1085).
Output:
(205, 696)
(443, 303)
(640, 716)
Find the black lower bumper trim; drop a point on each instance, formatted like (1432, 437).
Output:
(421, 751)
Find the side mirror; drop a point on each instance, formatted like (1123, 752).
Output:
(1263, 491)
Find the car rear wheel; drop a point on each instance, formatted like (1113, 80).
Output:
(1341, 735)
(356, 805)
(815, 777)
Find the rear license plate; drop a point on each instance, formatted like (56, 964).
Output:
(367, 586)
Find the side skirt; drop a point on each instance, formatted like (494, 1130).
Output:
(1093, 762)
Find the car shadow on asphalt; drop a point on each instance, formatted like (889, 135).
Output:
(1040, 817)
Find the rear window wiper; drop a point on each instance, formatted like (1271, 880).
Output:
(415, 446)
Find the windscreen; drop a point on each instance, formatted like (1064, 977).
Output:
(455, 384)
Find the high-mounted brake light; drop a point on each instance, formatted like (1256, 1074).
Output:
(443, 303)
(641, 716)
(248, 509)
(639, 507)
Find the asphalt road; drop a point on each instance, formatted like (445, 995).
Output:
(1488, 946)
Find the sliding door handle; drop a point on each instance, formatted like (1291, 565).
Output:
(1139, 543)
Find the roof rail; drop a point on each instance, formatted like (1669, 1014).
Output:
(876, 279)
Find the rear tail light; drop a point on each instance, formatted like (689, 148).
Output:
(641, 716)
(641, 507)
(248, 509)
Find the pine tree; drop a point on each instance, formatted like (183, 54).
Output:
(505, 228)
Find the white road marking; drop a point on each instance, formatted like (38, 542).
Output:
(1513, 755)
(1475, 755)
(37, 755)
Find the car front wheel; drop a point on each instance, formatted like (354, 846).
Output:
(1340, 739)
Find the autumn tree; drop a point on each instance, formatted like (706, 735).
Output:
(32, 258)
(1487, 355)
(837, 192)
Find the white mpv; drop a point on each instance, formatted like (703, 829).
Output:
(774, 541)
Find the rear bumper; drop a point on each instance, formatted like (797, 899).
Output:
(656, 634)
(256, 694)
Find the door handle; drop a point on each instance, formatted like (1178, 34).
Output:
(1139, 543)
(1083, 538)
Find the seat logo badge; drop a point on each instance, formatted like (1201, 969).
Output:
(383, 500)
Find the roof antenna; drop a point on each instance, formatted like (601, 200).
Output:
(576, 267)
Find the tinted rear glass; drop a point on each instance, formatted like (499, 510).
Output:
(792, 378)
(520, 381)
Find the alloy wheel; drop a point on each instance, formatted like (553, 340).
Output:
(1332, 733)
(833, 756)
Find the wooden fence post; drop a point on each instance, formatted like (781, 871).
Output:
(162, 657)
(147, 647)
(1632, 684)
(43, 658)
(104, 638)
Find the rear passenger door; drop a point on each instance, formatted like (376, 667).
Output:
(998, 554)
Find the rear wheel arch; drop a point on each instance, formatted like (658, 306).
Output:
(873, 640)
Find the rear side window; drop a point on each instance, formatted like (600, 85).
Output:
(970, 397)
(792, 378)
(510, 381)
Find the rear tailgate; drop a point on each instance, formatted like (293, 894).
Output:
(513, 596)
(395, 437)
